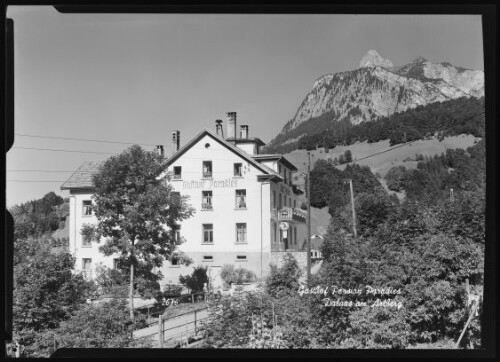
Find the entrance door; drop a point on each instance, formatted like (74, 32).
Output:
(214, 278)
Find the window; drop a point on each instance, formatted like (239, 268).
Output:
(86, 241)
(295, 235)
(284, 201)
(208, 258)
(87, 208)
(207, 169)
(241, 258)
(208, 233)
(238, 168)
(174, 261)
(275, 230)
(177, 172)
(274, 198)
(241, 232)
(241, 199)
(206, 200)
(294, 203)
(87, 267)
(115, 263)
(281, 202)
(290, 201)
(176, 234)
(290, 235)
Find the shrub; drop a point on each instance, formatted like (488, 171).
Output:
(231, 274)
(396, 178)
(285, 278)
(196, 280)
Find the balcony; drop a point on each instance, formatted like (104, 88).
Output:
(206, 206)
(289, 214)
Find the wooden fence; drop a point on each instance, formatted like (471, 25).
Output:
(179, 327)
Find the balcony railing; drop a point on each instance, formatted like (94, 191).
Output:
(206, 206)
(289, 213)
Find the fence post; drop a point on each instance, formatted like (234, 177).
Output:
(195, 322)
(192, 298)
(160, 330)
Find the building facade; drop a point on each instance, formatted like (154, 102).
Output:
(246, 211)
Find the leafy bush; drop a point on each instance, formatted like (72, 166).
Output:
(232, 275)
(105, 325)
(46, 292)
(284, 279)
(395, 178)
(196, 280)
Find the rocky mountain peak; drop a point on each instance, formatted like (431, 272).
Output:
(419, 59)
(374, 59)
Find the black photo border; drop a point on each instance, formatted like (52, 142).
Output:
(489, 13)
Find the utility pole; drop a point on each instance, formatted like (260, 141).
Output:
(352, 205)
(308, 216)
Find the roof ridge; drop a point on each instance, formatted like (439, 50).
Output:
(223, 141)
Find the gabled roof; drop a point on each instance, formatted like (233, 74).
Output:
(82, 177)
(223, 142)
(276, 157)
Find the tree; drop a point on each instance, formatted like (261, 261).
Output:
(35, 218)
(46, 291)
(196, 280)
(372, 210)
(395, 178)
(348, 156)
(285, 278)
(137, 213)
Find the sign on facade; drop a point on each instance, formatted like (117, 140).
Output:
(284, 226)
(209, 184)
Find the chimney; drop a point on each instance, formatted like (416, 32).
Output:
(176, 140)
(231, 124)
(160, 150)
(244, 131)
(218, 128)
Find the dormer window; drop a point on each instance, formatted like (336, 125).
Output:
(207, 169)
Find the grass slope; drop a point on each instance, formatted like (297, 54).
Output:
(378, 164)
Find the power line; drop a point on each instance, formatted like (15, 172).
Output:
(34, 181)
(41, 171)
(51, 149)
(84, 139)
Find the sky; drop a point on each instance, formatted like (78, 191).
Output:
(134, 78)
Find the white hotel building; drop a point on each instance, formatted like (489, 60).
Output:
(240, 197)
